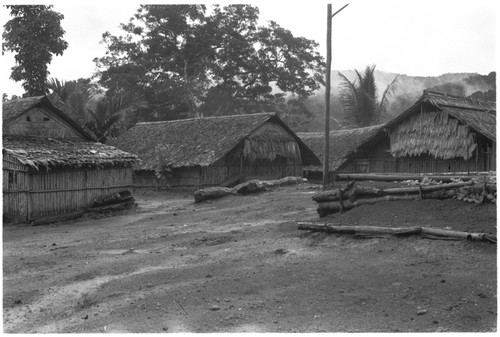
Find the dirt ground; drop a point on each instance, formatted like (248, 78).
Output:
(239, 264)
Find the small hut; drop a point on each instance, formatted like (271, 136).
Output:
(214, 151)
(342, 143)
(42, 116)
(440, 133)
(49, 165)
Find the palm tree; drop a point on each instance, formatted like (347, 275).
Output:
(99, 113)
(360, 99)
(75, 95)
(109, 111)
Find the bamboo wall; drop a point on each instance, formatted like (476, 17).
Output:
(15, 190)
(380, 160)
(44, 193)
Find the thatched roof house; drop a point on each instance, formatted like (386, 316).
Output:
(44, 116)
(51, 167)
(342, 144)
(214, 151)
(439, 133)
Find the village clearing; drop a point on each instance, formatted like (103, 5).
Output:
(240, 264)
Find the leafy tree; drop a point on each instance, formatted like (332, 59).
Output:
(360, 99)
(34, 35)
(186, 60)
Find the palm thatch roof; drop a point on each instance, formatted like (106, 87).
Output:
(197, 141)
(444, 131)
(342, 143)
(479, 115)
(49, 153)
(13, 109)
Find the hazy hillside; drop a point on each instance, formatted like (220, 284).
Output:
(410, 88)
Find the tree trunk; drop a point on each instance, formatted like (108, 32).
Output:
(433, 233)
(428, 188)
(387, 177)
(211, 193)
(325, 208)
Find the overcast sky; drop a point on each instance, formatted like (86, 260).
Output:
(412, 37)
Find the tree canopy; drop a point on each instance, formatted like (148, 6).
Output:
(34, 34)
(188, 61)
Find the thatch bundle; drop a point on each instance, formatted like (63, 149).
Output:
(433, 133)
(270, 149)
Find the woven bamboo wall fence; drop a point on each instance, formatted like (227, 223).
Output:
(39, 194)
(15, 185)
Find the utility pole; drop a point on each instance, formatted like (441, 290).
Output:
(326, 159)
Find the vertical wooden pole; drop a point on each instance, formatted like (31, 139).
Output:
(326, 148)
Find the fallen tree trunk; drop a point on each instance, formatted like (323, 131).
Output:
(425, 189)
(114, 199)
(329, 207)
(350, 192)
(57, 218)
(325, 208)
(211, 193)
(354, 191)
(251, 186)
(113, 207)
(387, 177)
(433, 233)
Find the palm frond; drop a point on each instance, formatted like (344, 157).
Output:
(348, 92)
(108, 111)
(388, 92)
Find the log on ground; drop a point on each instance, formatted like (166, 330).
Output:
(388, 177)
(355, 191)
(211, 193)
(426, 232)
(350, 192)
(325, 208)
(57, 218)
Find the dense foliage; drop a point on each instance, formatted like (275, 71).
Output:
(106, 115)
(190, 61)
(34, 34)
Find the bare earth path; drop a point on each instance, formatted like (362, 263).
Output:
(239, 264)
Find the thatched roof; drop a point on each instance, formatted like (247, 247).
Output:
(342, 143)
(444, 130)
(197, 141)
(12, 109)
(47, 152)
(479, 115)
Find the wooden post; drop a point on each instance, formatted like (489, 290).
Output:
(326, 147)
(326, 159)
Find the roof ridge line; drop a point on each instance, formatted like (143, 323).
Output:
(210, 117)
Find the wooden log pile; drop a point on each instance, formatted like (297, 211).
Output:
(374, 231)
(115, 202)
(354, 195)
(248, 187)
